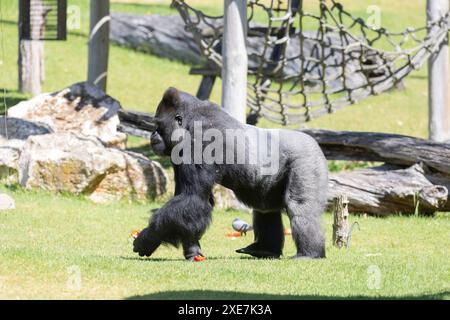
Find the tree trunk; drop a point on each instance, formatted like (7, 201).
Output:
(383, 147)
(388, 190)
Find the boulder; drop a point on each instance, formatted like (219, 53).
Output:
(77, 164)
(81, 108)
(9, 162)
(13, 133)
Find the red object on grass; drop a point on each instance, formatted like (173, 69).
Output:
(233, 234)
(199, 258)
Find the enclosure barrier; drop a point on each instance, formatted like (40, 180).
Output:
(312, 63)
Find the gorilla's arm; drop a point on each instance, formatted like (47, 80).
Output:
(184, 218)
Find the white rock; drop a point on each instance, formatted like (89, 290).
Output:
(82, 108)
(6, 202)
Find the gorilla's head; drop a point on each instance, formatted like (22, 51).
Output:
(173, 113)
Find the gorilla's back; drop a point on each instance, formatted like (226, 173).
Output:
(259, 185)
(297, 155)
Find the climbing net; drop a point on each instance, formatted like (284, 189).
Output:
(306, 64)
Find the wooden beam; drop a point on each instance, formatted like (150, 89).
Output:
(206, 87)
(99, 43)
(235, 60)
(31, 53)
(438, 79)
(136, 123)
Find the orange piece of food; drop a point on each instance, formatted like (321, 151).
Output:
(287, 231)
(233, 234)
(135, 234)
(199, 258)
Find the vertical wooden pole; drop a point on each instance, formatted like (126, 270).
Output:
(31, 53)
(99, 43)
(235, 60)
(340, 224)
(439, 80)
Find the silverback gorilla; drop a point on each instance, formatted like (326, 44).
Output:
(299, 185)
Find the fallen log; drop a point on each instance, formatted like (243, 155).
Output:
(134, 131)
(389, 190)
(136, 123)
(383, 147)
(441, 180)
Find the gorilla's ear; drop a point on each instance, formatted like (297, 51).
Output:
(172, 97)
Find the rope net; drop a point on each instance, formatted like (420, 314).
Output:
(306, 64)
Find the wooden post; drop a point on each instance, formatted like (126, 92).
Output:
(235, 60)
(340, 224)
(438, 79)
(31, 54)
(99, 43)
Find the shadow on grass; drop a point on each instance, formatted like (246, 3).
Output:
(15, 187)
(144, 8)
(159, 260)
(11, 98)
(418, 76)
(10, 22)
(230, 295)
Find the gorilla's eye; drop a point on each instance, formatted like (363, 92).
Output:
(179, 119)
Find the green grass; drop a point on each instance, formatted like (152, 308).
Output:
(46, 235)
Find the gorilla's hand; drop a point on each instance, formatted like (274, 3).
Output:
(146, 243)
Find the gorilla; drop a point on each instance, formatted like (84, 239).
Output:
(298, 185)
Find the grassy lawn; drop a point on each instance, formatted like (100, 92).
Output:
(49, 238)
(47, 235)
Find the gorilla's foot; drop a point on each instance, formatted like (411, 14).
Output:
(192, 249)
(191, 256)
(258, 251)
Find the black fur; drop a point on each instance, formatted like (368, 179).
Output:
(299, 186)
